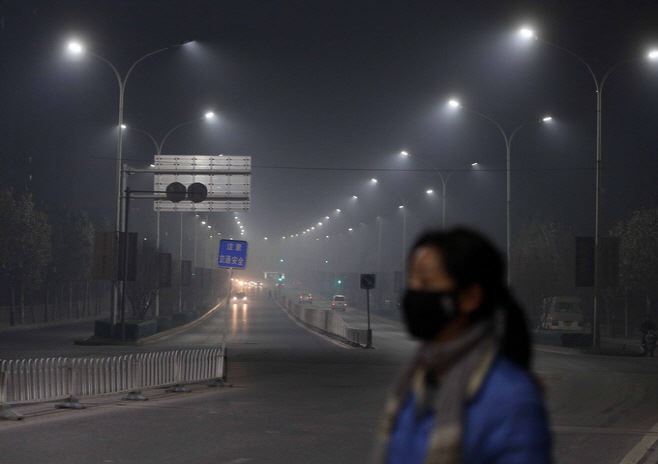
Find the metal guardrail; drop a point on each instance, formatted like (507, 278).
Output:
(24, 381)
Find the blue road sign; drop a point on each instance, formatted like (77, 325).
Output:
(232, 254)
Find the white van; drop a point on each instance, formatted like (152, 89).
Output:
(561, 313)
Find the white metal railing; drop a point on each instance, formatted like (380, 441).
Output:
(52, 379)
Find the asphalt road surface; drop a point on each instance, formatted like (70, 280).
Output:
(300, 398)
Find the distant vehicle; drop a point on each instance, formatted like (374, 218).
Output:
(561, 313)
(338, 302)
(306, 298)
(240, 296)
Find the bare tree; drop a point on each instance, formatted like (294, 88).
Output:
(25, 247)
(639, 253)
(541, 264)
(141, 292)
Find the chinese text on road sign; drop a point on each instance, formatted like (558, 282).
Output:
(232, 254)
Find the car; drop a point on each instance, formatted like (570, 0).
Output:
(338, 302)
(306, 298)
(240, 296)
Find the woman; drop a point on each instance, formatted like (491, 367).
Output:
(469, 395)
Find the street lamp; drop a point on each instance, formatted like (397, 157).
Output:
(404, 242)
(527, 33)
(77, 48)
(429, 191)
(508, 138)
(599, 84)
(444, 185)
(159, 145)
(373, 181)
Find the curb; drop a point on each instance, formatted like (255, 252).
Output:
(181, 328)
(47, 325)
(151, 338)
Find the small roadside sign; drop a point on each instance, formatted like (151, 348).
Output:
(232, 254)
(367, 281)
(367, 284)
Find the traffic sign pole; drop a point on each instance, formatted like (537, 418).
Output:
(367, 284)
(369, 340)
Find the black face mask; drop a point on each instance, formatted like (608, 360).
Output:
(427, 313)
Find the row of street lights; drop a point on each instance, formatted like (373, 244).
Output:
(528, 34)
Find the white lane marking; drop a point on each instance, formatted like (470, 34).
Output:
(639, 451)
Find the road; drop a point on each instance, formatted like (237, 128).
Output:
(300, 398)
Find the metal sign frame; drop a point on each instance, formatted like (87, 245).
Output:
(227, 178)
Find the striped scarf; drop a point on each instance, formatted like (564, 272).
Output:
(443, 377)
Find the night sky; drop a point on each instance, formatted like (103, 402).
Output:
(341, 85)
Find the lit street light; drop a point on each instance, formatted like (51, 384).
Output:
(77, 48)
(74, 47)
(599, 84)
(527, 33)
(508, 138)
(444, 185)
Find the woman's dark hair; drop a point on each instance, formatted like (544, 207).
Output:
(470, 258)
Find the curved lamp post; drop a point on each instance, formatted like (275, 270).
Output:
(508, 137)
(528, 34)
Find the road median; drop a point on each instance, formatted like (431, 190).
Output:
(324, 321)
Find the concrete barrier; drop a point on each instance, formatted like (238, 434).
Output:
(325, 321)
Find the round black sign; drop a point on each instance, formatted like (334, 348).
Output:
(176, 192)
(197, 192)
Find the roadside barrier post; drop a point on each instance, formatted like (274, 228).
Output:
(72, 402)
(136, 381)
(6, 412)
